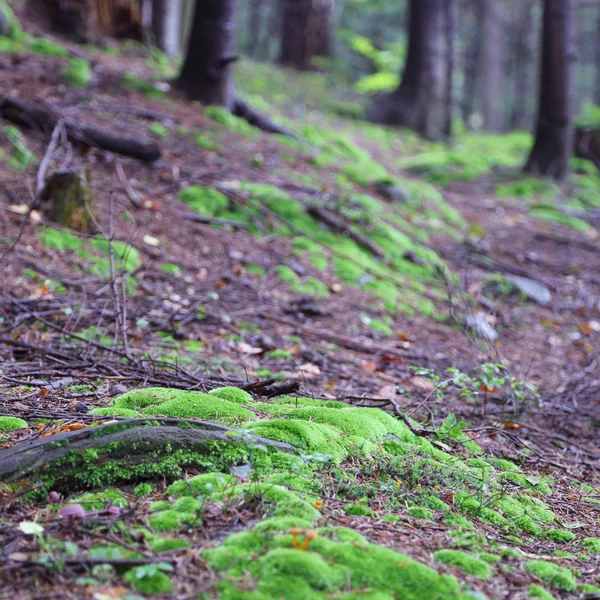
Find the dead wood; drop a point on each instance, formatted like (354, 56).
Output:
(339, 225)
(134, 440)
(46, 120)
(242, 109)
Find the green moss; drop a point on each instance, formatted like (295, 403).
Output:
(159, 505)
(232, 394)
(552, 574)
(170, 520)
(171, 269)
(159, 130)
(464, 562)
(182, 404)
(12, 423)
(187, 504)
(359, 510)
(458, 520)
(46, 47)
(148, 579)
(168, 544)
(208, 486)
(287, 275)
(554, 215)
(591, 543)
(206, 141)
(310, 438)
(143, 489)
(560, 536)
(419, 512)
(206, 201)
(59, 239)
(488, 557)
(528, 525)
(537, 591)
(100, 500)
(279, 354)
(78, 72)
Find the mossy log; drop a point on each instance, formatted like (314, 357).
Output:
(68, 199)
(132, 440)
(46, 120)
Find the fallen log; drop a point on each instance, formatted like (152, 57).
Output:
(132, 441)
(35, 116)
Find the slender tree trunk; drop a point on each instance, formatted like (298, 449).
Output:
(206, 73)
(254, 26)
(305, 31)
(524, 77)
(420, 101)
(491, 68)
(553, 144)
(166, 16)
(597, 62)
(472, 37)
(450, 8)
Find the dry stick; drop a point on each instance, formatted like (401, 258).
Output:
(120, 317)
(41, 174)
(126, 185)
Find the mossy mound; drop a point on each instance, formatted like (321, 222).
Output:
(330, 566)
(12, 423)
(183, 404)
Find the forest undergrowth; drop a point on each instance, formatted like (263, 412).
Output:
(348, 363)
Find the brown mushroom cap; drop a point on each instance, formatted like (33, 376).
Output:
(311, 534)
(295, 530)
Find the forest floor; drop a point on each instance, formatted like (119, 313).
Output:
(349, 267)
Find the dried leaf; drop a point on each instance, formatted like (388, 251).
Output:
(309, 370)
(248, 349)
(150, 240)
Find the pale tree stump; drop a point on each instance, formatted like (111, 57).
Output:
(68, 199)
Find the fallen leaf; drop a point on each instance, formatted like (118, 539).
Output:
(387, 390)
(309, 370)
(150, 240)
(421, 384)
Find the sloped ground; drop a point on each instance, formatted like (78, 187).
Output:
(352, 267)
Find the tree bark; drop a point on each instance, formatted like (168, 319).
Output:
(553, 143)
(451, 15)
(206, 73)
(491, 69)
(305, 32)
(472, 36)
(420, 101)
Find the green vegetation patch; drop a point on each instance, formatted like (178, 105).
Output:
(12, 423)
(464, 562)
(552, 574)
(78, 72)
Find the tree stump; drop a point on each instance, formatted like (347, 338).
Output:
(68, 199)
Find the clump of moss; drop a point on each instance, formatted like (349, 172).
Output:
(560, 536)
(12, 423)
(182, 404)
(159, 130)
(232, 394)
(114, 411)
(537, 591)
(419, 512)
(78, 72)
(160, 544)
(279, 354)
(143, 489)
(100, 500)
(204, 200)
(552, 574)
(359, 510)
(208, 486)
(148, 579)
(591, 543)
(171, 520)
(464, 562)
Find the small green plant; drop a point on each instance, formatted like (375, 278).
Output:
(78, 72)
(159, 130)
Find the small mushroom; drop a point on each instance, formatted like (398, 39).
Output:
(309, 535)
(295, 531)
(72, 512)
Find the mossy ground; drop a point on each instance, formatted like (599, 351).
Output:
(395, 514)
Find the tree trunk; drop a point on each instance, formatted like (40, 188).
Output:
(554, 131)
(166, 17)
(206, 73)
(491, 67)
(597, 62)
(524, 78)
(305, 31)
(254, 27)
(472, 37)
(450, 58)
(420, 101)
